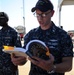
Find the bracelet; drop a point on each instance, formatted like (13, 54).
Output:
(53, 70)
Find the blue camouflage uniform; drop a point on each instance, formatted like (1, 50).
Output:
(59, 44)
(8, 37)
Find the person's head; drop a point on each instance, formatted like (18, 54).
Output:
(43, 10)
(3, 18)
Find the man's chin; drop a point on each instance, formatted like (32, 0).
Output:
(41, 24)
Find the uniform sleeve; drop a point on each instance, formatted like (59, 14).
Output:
(67, 46)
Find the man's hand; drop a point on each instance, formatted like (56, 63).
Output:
(44, 64)
(18, 60)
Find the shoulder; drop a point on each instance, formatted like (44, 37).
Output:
(63, 35)
(61, 31)
(33, 30)
(12, 29)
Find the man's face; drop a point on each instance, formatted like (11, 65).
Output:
(2, 21)
(44, 18)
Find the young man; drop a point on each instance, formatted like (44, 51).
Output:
(9, 37)
(57, 40)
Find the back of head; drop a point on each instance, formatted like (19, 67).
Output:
(43, 5)
(4, 16)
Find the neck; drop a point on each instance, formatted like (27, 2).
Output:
(46, 26)
(5, 26)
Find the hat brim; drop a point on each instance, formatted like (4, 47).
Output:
(40, 8)
(33, 9)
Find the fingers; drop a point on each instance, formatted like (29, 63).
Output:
(44, 64)
(34, 60)
(18, 60)
(51, 57)
(12, 55)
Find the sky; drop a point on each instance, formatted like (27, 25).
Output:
(14, 9)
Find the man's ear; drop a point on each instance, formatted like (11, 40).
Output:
(52, 13)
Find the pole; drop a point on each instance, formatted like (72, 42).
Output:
(60, 17)
(24, 18)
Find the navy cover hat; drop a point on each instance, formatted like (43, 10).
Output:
(4, 15)
(43, 5)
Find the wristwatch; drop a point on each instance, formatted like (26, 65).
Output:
(53, 70)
